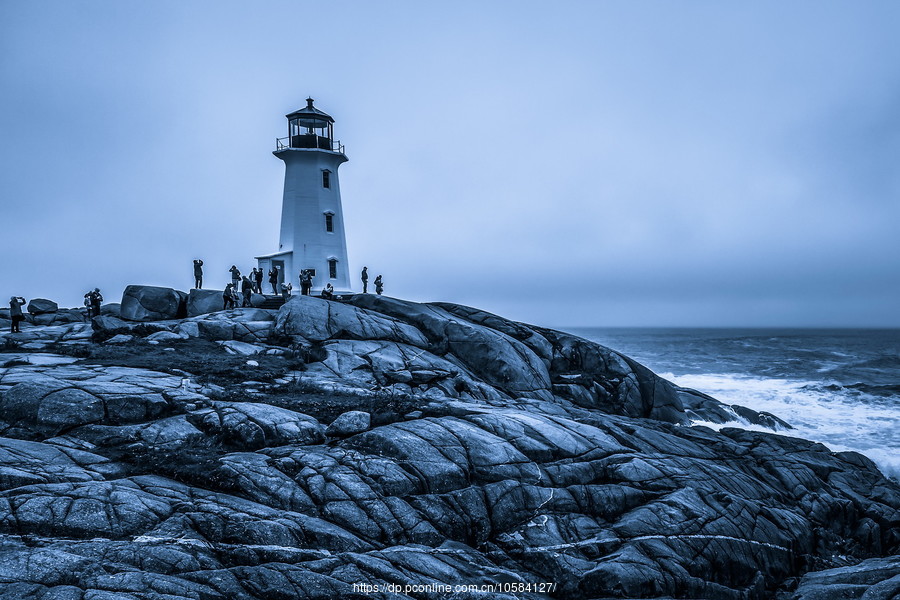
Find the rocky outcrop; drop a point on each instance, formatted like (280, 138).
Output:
(250, 426)
(873, 579)
(350, 423)
(60, 317)
(252, 325)
(38, 339)
(40, 306)
(111, 309)
(419, 444)
(148, 303)
(110, 324)
(201, 302)
(315, 319)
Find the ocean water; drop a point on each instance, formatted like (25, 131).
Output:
(840, 387)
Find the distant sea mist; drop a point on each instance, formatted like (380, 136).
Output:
(840, 387)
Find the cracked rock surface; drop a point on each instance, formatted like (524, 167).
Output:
(387, 443)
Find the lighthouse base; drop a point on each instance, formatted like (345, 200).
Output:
(288, 269)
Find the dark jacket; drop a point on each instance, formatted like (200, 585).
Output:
(15, 307)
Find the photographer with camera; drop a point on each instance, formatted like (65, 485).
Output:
(198, 273)
(92, 301)
(15, 313)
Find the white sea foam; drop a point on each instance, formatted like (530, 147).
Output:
(840, 419)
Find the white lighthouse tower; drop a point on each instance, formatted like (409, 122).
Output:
(312, 222)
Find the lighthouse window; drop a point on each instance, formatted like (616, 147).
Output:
(329, 223)
(332, 268)
(326, 179)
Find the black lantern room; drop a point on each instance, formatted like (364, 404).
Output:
(309, 127)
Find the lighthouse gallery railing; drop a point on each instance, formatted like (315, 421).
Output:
(285, 144)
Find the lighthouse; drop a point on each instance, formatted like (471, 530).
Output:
(312, 221)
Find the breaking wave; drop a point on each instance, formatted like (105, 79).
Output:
(840, 387)
(840, 417)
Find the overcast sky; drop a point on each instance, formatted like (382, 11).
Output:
(567, 163)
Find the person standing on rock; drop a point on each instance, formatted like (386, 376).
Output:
(286, 289)
(235, 277)
(15, 313)
(247, 291)
(92, 300)
(257, 279)
(273, 279)
(305, 282)
(198, 273)
(365, 279)
(229, 297)
(379, 285)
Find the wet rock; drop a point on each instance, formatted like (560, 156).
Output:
(760, 418)
(702, 407)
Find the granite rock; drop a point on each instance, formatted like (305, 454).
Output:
(149, 303)
(349, 423)
(111, 309)
(40, 306)
(200, 302)
(872, 579)
(464, 449)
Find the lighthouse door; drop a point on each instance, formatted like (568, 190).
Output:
(280, 265)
